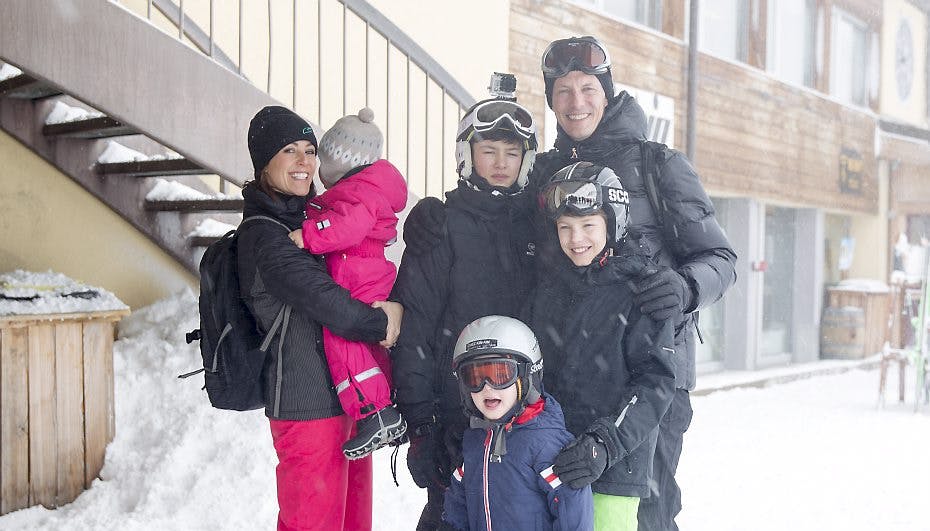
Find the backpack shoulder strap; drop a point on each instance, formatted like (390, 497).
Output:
(649, 154)
(266, 218)
(285, 310)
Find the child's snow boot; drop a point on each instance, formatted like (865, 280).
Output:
(375, 431)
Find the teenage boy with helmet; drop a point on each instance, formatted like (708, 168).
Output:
(696, 261)
(484, 265)
(506, 480)
(611, 366)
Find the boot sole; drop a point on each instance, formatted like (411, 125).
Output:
(391, 433)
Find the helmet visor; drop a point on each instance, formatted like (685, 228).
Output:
(580, 197)
(504, 114)
(499, 373)
(585, 54)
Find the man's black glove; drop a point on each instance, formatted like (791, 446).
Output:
(427, 459)
(662, 294)
(425, 225)
(581, 462)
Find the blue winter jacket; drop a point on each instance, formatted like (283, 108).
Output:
(519, 492)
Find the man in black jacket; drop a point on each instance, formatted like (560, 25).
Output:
(697, 263)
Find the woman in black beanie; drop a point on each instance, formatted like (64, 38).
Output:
(318, 488)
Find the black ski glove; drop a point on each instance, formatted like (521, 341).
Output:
(581, 462)
(427, 459)
(425, 225)
(662, 294)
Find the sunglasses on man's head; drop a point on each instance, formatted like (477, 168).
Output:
(499, 373)
(586, 54)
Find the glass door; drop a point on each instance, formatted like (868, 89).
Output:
(778, 284)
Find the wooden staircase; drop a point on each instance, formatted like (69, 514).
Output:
(73, 147)
(100, 57)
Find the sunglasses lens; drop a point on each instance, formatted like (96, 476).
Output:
(498, 373)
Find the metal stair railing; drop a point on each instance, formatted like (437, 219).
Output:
(423, 104)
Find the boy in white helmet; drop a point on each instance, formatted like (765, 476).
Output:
(516, 431)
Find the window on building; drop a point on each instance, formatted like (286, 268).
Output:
(791, 34)
(723, 28)
(849, 59)
(645, 12)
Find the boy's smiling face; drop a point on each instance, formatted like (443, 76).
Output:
(494, 403)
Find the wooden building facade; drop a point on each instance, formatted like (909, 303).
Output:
(811, 177)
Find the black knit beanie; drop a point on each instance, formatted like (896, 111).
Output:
(271, 129)
(606, 81)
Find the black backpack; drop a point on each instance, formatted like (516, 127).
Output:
(231, 345)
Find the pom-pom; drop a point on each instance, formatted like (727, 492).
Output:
(366, 115)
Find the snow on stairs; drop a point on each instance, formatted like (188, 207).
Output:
(129, 175)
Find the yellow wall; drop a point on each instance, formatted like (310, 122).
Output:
(913, 110)
(47, 221)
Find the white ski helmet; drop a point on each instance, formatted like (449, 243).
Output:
(583, 189)
(495, 115)
(496, 337)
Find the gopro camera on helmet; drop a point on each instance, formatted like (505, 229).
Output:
(503, 86)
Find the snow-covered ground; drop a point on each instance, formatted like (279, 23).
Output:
(814, 454)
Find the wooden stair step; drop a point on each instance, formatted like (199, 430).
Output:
(151, 168)
(196, 205)
(202, 241)
(26, 87)
(99, 127)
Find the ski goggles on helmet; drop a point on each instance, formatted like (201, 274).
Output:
(496, 114)
(499, 373)
(582, 198)
(586, 54)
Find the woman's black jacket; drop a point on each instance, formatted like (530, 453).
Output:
(274, 272)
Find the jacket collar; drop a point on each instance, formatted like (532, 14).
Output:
(624, 121)
(288, 209)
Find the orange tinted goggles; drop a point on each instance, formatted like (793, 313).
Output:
(499, 373)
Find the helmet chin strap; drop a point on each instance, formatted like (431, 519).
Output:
(477, 182)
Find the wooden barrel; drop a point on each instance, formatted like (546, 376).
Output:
(842, 333)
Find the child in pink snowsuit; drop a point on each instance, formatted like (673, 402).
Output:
(351, 223)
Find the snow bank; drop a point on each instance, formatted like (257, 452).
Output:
(30, 293)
